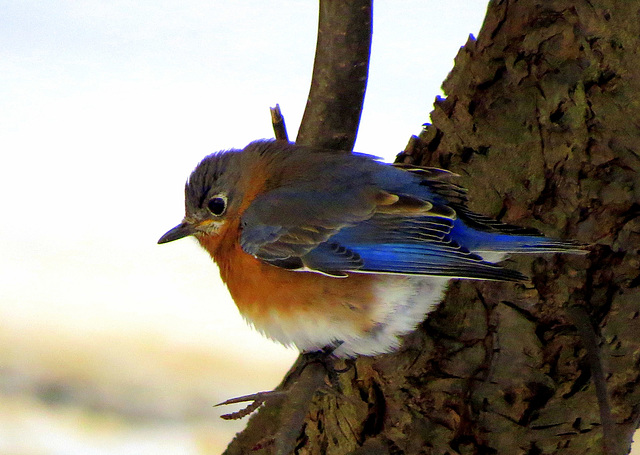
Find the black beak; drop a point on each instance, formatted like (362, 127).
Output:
(181, 230)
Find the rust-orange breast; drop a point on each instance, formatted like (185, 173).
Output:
(261, 290)
(266, 294)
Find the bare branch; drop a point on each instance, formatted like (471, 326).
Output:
(340, 71)
(279, 126)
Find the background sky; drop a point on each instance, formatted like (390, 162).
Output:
(106, 107)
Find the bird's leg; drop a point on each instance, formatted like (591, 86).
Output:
(323, 356)
(326, 358)
(313, 381)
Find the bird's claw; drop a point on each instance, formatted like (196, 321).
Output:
(256, 400)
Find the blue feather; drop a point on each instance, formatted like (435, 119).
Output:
(337, 213)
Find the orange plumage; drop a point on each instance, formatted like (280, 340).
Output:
(271, 297)
(327, 248)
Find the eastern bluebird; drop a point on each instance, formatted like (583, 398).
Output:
(323, 248)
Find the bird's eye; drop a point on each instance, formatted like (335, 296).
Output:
(217, 205)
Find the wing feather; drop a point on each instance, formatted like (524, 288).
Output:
(367, 217)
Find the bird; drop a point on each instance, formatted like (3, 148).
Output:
(339, 251)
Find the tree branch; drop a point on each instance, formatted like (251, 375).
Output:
(279, 125)
(340, 71)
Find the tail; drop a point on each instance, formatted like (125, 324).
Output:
(485, 235)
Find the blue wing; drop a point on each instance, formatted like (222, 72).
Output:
(401, 245)
(357, 215)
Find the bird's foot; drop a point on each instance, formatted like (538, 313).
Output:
(256, 400)
(323, 357)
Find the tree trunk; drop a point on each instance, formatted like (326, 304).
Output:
(541, 121)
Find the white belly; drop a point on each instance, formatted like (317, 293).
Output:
(402, 304)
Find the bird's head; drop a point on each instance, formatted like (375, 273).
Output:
(211, 196)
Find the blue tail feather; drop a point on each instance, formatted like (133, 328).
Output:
(495, 240)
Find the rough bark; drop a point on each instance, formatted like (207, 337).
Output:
(541, 121)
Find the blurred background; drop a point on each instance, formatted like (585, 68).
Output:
(109, 343)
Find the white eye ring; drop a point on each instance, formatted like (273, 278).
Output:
(217, 205)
